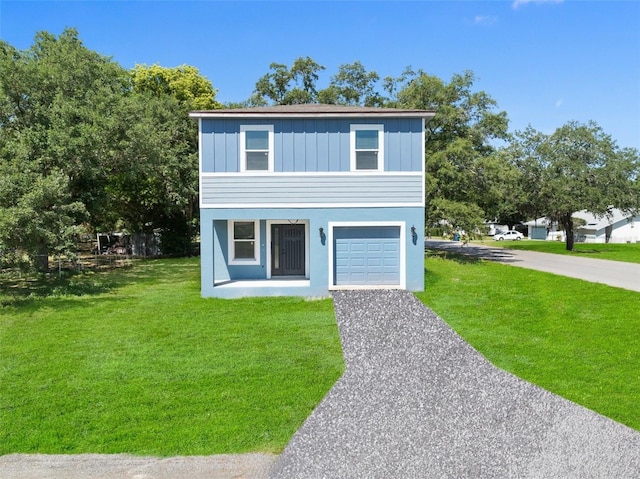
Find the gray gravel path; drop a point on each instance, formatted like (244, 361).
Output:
(417, 401)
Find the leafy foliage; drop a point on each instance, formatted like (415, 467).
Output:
(83, 142)
(352, 85)
(465, 174)
(57, 100)
(577, 167)
(184, 83)
(288, 86)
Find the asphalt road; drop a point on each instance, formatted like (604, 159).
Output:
(613, 273)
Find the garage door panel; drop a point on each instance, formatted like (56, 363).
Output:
(342, 247)
(358, 247)
(374, 262)
(367, 255)
(391, 247)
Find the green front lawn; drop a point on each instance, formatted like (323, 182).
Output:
(629, 253)
(142, 364)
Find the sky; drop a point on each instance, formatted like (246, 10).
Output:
(545, 62)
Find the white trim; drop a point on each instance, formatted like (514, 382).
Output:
(243, 157)
(204, 205)
(231, 243)
(346, 174)
(306, 244)
(357, 224)
(380, 113)
(424, 162)
(352, 145)
(201, 174)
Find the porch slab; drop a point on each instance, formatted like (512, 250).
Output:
(264, 283)
(263, 287)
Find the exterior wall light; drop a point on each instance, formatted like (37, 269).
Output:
(414, 235)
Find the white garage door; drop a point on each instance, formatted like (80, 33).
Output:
(366, 255)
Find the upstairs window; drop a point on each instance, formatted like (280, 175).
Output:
(256, 148)
(244, 241)
(367, 148)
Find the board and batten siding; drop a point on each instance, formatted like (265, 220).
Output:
(311, 190)
(311, 145)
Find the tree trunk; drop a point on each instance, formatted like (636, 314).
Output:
(567, 224)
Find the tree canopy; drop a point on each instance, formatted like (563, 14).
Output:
(86, 144)
(184, 83)
(57, 101)
(288, 86)
(577, 167)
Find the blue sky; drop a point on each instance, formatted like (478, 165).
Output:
(545, 62)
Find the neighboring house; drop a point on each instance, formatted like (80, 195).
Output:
(304, 199)
(618, 227)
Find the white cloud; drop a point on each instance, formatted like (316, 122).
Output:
(485, 20)
(559, 102)
(519, 3)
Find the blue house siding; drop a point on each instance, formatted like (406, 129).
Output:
(314, 190)
(214, 247)
(311, 145)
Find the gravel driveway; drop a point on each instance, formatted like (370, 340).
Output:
(417, 401)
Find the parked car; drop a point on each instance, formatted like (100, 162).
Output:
(508, 235)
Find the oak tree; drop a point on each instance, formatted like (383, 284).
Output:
(577, 167)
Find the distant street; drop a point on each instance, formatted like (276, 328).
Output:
(613, 273)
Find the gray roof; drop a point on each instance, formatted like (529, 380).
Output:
(596, 222)
(311, 110)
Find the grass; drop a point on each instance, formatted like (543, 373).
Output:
(577, 339)
(629, 253)
(135, 361)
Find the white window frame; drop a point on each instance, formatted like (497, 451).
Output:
(352, 141)
(243, 147)
(232, 244)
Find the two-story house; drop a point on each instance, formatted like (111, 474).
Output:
(304, 199)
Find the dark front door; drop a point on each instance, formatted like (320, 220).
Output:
(287, 250)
